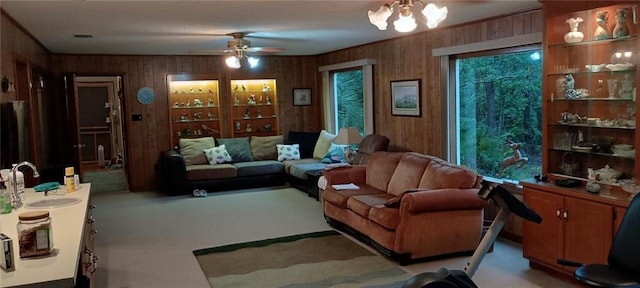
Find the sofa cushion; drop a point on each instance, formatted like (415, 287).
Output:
(210, 172)
(361, 204)
(408, 173)
(217, 155)
(191, 149)
(380, 168)
(306, 140)
(340, 197)
(264, 147)
(262, 167)
(288, 152)
(442, 174)
(238, 148)
(290, 163)
(300, 170)
(385, 217)
(322, 144)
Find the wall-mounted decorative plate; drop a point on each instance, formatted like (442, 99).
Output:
(145, 95)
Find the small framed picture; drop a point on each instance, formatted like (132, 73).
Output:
(405, 98)
(301, 97)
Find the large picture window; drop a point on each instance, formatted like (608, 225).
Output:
(498, 101)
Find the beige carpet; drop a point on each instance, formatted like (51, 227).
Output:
(321, 259)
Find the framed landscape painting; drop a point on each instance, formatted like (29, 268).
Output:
(405, 98)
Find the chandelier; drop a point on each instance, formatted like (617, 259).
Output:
(235, 61)
(406, 22)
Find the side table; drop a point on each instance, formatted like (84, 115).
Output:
(312, 183)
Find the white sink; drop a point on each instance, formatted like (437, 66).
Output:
(52, 203)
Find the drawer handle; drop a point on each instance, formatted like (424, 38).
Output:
(565, 214)
(558, 212)
(92, 206)
(91, 220)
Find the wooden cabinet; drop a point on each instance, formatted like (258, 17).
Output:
(587, 111)
(576, 225)
(194, 106)
(254, 107)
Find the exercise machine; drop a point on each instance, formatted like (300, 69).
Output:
(444, 278)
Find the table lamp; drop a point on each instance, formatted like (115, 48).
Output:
(348, 136)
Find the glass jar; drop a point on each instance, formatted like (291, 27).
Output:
(35, 237)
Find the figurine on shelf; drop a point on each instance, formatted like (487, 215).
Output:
(208, 130)
(184, 118)
(268, 100)
(266, 127)
(188, 105)
(197, 102)
(176, 105)
(602, 33)
(210, 104)
(251, 100)
(235, 88)
(211, 116)
(265, 87)
(260, 102)
(237, 125)
(621, 30)
(175, 91)
(190, 89)
(200, 89)
(182, 104)
(210, 91)
(246, 114)
(196, 116)
(259, 114)
(236, 99)
(187, 131)
(244, 88)
(249, 127)
(184, 91)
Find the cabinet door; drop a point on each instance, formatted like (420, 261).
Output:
(543, 242)
(588, 229)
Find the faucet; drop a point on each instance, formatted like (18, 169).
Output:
(16, 202)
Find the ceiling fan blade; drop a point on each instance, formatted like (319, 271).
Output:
(264, 49)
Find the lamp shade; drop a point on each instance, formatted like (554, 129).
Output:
(348, 136)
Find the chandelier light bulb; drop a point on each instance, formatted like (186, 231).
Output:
(253, 61)
(405, 23)
(379, 18)
(233, 62)
(434, 14)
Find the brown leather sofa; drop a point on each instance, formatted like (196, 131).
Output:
(443, 216)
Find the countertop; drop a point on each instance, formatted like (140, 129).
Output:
(60, 268)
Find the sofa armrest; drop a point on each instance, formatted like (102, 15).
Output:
(441, 200)
(173, 171)
(356, 174)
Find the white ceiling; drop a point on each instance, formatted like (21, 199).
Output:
(190, 27)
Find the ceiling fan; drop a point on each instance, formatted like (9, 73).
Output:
(241, 51)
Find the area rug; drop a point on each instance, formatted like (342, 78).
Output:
(321, 259)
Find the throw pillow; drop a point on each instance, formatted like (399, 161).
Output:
(323, 144)
(191, 149)
(238, 148)
(217, 155)
(335, 154)
(288, 152)
(264, 147)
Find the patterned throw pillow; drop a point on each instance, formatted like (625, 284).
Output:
(288, 152)
(217, 155)
(335, 154)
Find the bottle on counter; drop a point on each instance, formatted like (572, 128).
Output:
(69, 179)
(5, 197)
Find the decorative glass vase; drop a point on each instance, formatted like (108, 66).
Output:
(602, 33)
(574, 35)
(621, 30)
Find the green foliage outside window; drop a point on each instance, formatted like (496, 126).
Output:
(350, 99)
(500, 102)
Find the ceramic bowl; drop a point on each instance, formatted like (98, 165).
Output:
(594, 68)
(629, 185)
(608, 174)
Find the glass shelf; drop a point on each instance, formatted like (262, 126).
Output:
(595, 42)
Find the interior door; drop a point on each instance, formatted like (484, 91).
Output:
(95, 122)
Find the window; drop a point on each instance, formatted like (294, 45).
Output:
(498, 112)
(348, 96)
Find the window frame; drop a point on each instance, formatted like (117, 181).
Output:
(329, 97)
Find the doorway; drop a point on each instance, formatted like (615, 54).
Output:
(100, 127)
